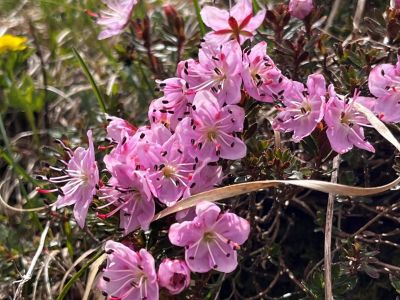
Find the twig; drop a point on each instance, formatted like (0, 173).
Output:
(332, 15)
(358, 14)
(28, 275)
(35, 285)
(49, 258)
(356, 21)
(263, 293)
(377, 217)
(388, 266)
(328, 234)
(293, 278)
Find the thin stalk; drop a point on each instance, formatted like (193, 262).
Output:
(256, 6)
(199, 19)
(78, 274)
(89, 76)
(328, 233)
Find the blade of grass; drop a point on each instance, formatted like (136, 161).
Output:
(4, 135)
(89, 76)
(256, 6)
(199, 19)
(94, 269)
(7, 155)
(78, 274)
(17, 168)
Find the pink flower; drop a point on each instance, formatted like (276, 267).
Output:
(302, 108)
(262, 79)
(116, 17)
(81, 176)
(397, 3)
(211, 239)
(128, 275)
(174, 105)
(211, 131)
(129, 193)
(170, 169)
(345, 124)
(126, 152)
(300, 8)
(206, 177)
(217, 70)
(174, 275)
(239, 23)
(118, 129)
(384, 83)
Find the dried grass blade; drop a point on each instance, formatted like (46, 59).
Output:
(322, 186)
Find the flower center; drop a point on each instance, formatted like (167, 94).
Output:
(212, 135)
(345, 118)
(306, 108)
(169, 171)
(178, 279)
(208, 237)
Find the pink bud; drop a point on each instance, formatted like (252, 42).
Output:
(174, 275)
(300, 8)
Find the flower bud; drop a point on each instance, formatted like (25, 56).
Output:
(174, 275)
(300, 8)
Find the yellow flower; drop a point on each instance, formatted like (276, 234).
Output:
(10, 42)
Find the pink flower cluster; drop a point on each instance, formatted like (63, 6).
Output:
(196, 123)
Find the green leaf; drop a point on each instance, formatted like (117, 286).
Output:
(395, 282)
